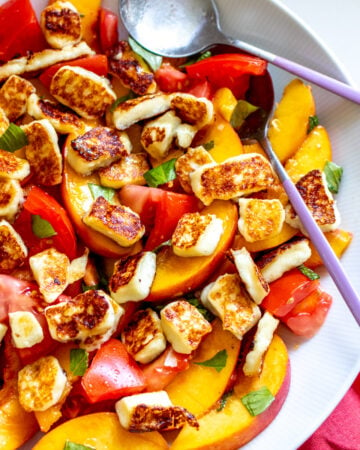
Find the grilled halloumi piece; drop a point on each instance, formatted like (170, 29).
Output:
(260, 219)
(61, 24)
(250, 275)
(11, 198)
(3, 331)
(26, 330)
(41, 384)
(41, 60)
(77, 267)
(133, 110)
(99, 147)
(12, 166)
(128, 170)
(4, 121)
(287, 256)
(262, 339)
(313, 189)
(227, 299)
(43, 152)
(184, 326)
(192, 110)
(185, 134)
(61, 118)
(143, 336)
(13, 96)
(13, 251)
(85, 92)
(151, 411)
(235, 177)
(132, 277)
(117, 222)
(197, 235)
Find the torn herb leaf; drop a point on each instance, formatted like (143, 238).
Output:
(242, 110)
(333, 174)
(218, 362)
(161, 174)
(257, 401)
(150, 58)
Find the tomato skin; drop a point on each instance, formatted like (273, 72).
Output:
(112, 374)
(108, 29)
(170, 79)
(201, 89)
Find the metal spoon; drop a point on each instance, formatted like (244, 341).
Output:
(177, 28)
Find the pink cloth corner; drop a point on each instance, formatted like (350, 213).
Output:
(341, 430)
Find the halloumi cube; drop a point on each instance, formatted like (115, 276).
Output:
(184, 326)
(228, 300)
(235, 177)
(13, 251)
(41, 384)
(275, 263)
(260, 219)
(117, 222)
(77, 267)
(61, 24)
(43, 152)
(50, 270)
(4, 121)
(98, 147)
(13, 96)
(11, 166)
(3, 331)
(192, 110)
(185, 134)
(26, 330)
(250, 275)
(197, 235)
(143, 336)
(85, 92)
(132, 277)
(129, 169)
(11, 198)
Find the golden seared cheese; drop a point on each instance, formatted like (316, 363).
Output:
(184, 326)
(61, 118)
(317, 197)
(185, 134)
(12, 166)
(124, 64)
(41, 60)
(26, 330)
(275, 263)
(13, 96)
(266, 328)
(41, 384)
(77, 267)
(158, 134)
(4, 121)
(250, 275)
(191, 160)
(3, 331)
(228, 300)
(117, 222)
(85, 92)
(50, 270)
(11, 198)
(13, 251)
(143, 336)
(196, 235)
(89, 318)
(129, 169)
(235, 177)
(98, 147)
(260, 219)
(132, 277)
(152, 411)
(61, 24)
(43, 152)
(192, 110)
(135, 109)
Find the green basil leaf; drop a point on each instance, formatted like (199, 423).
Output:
(153, 60)
(73, 446)
(257, 401)
(191, 61)
(79, 360)
(308, 272)
(223, 400)
(218, 362)
(209, 145)
(41, 227)
(242, 110)
(122, 99)
(101, 191)
(13, 138)
(161, 174)
(333, 174)
(199, 306)
(313, 122)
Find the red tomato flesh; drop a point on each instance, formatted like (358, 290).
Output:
(108, 29)
(170, 79)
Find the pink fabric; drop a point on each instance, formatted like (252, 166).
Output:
(341, 431)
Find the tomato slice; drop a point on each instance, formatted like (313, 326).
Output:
(170, 79)
(108, 29)
(200, 89)
(112, 374)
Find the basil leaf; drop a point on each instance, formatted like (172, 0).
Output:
(41, 227)
(13, 138)
(199, 306)
(73, 446)
(242, 110)
(79, 360)
(209, 145)
(191, 61)
(223, 400)
(101, 191)
(161, 174)
(313, 122)
(308, 272)
(153, 60)
(218, 362)
(333, 174)
(257, 401)
(122, 99)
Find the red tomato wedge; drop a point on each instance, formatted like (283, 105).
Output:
(170, 79)
(108, 29)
